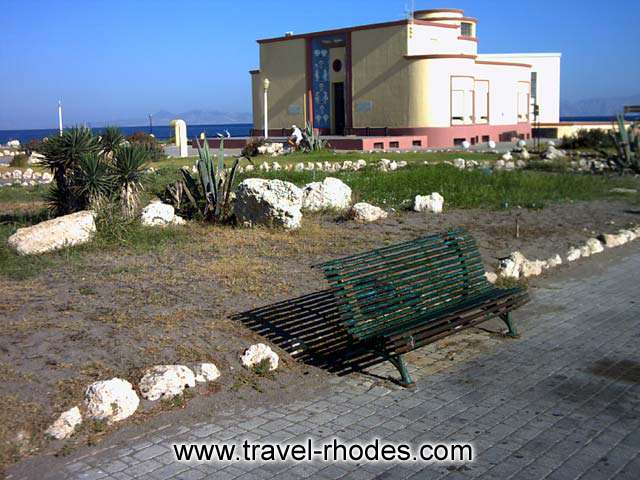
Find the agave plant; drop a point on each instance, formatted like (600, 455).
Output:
(63, 154)
(208, 195)
(127, 170)
(110, 140)
(627, 143)
(310, 141)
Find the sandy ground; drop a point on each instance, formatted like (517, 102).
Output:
(115, 313)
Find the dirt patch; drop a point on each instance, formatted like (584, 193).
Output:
(115, 313)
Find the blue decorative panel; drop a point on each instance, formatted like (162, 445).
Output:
(321, 85)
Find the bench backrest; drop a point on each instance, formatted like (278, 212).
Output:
(396, 284)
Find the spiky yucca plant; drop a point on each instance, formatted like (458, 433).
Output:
(92, 182)
(110, 140)
(127, 168)
(63, 153)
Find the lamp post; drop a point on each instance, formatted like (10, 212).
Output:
(60, 116)
(265, 84)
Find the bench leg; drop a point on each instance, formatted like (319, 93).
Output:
(399, 363)
(506, 318)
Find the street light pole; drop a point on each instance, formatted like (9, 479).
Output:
(60, 116)
(265, 84)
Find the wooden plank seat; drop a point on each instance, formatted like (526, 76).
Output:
(398, 298)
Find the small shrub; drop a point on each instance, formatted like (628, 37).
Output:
(587, 139)
(149, 143)
(251, 148)
(20, 161)
(263, 369)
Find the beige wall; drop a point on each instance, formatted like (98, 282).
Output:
(381, 77)
(284, 64)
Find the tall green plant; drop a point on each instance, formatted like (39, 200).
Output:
(63, 154)
(111, 139)
(310, 141)
(627, 142)
(207, 195)
(127, 169)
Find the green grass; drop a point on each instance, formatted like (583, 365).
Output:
(113, 234)
(467, 189)
(21, 194)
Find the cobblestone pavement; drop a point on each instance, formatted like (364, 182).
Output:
(562, 402)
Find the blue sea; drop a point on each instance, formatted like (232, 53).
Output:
(160, 131)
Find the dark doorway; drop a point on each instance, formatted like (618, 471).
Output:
(338, 108)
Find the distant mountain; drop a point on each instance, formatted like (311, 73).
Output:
(203, 117)
(192, 117)
(597, 106)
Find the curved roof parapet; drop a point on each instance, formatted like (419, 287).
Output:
(438, 13)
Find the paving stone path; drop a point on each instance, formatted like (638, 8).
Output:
(562, 402)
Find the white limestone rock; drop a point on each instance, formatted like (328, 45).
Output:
(459, 163)
(65, 425)
(13, 144)
(366, 213)
(428, 203)
(273, 203)
(507, 157)
(629, 235)
(111, 400)
(299, 167)
(386, 165)
(511, 266)
(612, 240)
(554, 261)
(585, 251)
(499, 165)
(166, 381)
(594, 245)
(257, 353)
(491, 277)
(206, 372)
(330, 194)
(532, 268)
(66, 231)
(573, 254)
(509, 166)
(361, 164)
(157, 214)
(524, 154)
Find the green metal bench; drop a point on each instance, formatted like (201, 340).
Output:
(398, 298)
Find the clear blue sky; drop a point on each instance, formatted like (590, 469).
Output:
(122, 59)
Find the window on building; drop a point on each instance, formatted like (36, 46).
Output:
(524, 95)
(457, 106)
(462, 103)
(466, 29)
(482, 101)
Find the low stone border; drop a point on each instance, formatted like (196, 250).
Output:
(116, 399)
(517, 266)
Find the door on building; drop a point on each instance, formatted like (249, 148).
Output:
(338, 108)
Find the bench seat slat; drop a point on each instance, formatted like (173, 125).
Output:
(350, 271)
(364, 329)
(425, 294)
(364, 258)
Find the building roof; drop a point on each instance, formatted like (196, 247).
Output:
(358, 27)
